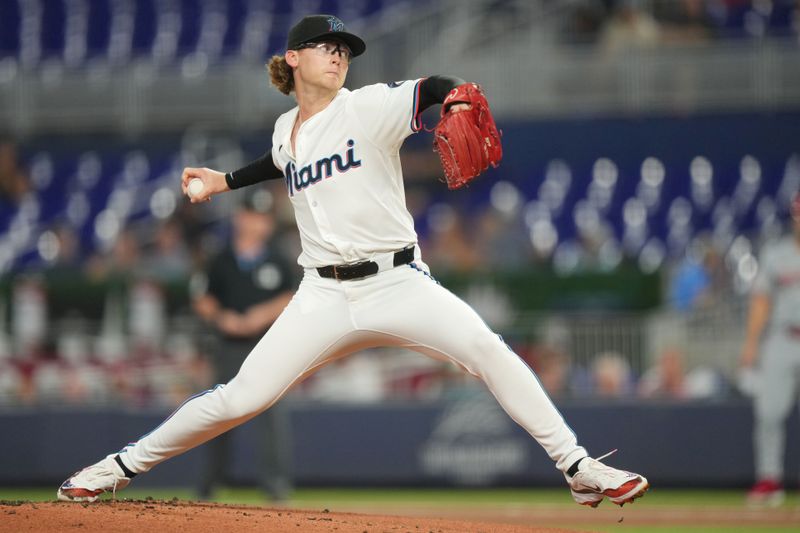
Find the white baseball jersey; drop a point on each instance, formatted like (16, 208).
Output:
(779, 277)
(779, 360)
(345, 180)
(347, 189)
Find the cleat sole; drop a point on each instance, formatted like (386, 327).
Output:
(633, 497)
(78, 495)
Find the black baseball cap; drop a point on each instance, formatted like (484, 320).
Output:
(321, 27)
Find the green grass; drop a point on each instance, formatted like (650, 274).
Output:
(686, 529)
(364, 499)
(658, 497)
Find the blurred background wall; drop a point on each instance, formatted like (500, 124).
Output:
(651, 148)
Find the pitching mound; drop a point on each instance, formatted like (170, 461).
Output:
(142, 516)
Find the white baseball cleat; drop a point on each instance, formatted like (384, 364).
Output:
(88, 484)
(595, 481)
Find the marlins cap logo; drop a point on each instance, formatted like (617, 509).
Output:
(335, 24)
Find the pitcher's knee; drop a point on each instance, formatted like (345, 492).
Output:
(492, 345)
(488, 349)
(239, 403)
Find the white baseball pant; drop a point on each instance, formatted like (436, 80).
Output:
(777, 393)
(328, 319)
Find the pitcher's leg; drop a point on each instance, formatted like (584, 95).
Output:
(434, 321)
(286, 352)
(316, 327)
(773, 402)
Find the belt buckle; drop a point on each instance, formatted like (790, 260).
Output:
(336, 273)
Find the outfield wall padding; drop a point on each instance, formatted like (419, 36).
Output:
(461, 443)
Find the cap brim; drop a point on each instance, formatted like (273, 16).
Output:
(354, 42)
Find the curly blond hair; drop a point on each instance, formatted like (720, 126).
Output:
(280, 74)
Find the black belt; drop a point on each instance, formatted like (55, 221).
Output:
(364, 268)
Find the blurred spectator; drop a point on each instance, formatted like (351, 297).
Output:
(448, 248)
(190, 369)
(147, 318)
(14, 182)
(496, 19)
(407, 375)
(195, 232)
(12, 383)
(599, 250)
(628, 23)
(611, 376)
(492, 302)
(585, 23)
(669, 379)
(501, 240)
(84, 381)
(164, 378)
(61, 251)
(49, 381)
(248, 285)
(595, 250)
(29, 320)
(70, 377)
(358, 378)
(169, 258)
(131, 294)
(121, 263)
(5, 340)
(420, 163)
(699, 279)
(683, 21)
(666, 379)
(689, 286)
(629, 27)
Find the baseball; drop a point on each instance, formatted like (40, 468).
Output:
(195, 187)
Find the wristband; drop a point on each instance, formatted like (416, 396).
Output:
(230, 181)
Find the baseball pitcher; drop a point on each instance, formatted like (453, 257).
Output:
(365, 283)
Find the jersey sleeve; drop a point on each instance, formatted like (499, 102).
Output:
(275, 149)
(388, 112)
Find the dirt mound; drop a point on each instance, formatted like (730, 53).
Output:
(141, 516)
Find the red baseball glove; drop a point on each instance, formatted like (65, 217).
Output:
(467, 141)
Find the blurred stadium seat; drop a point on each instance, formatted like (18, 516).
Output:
(637, 206)
(632, 158)
(76, 32)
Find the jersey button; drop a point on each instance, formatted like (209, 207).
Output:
(314, 203)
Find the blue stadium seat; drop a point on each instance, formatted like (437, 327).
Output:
(77, 31)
